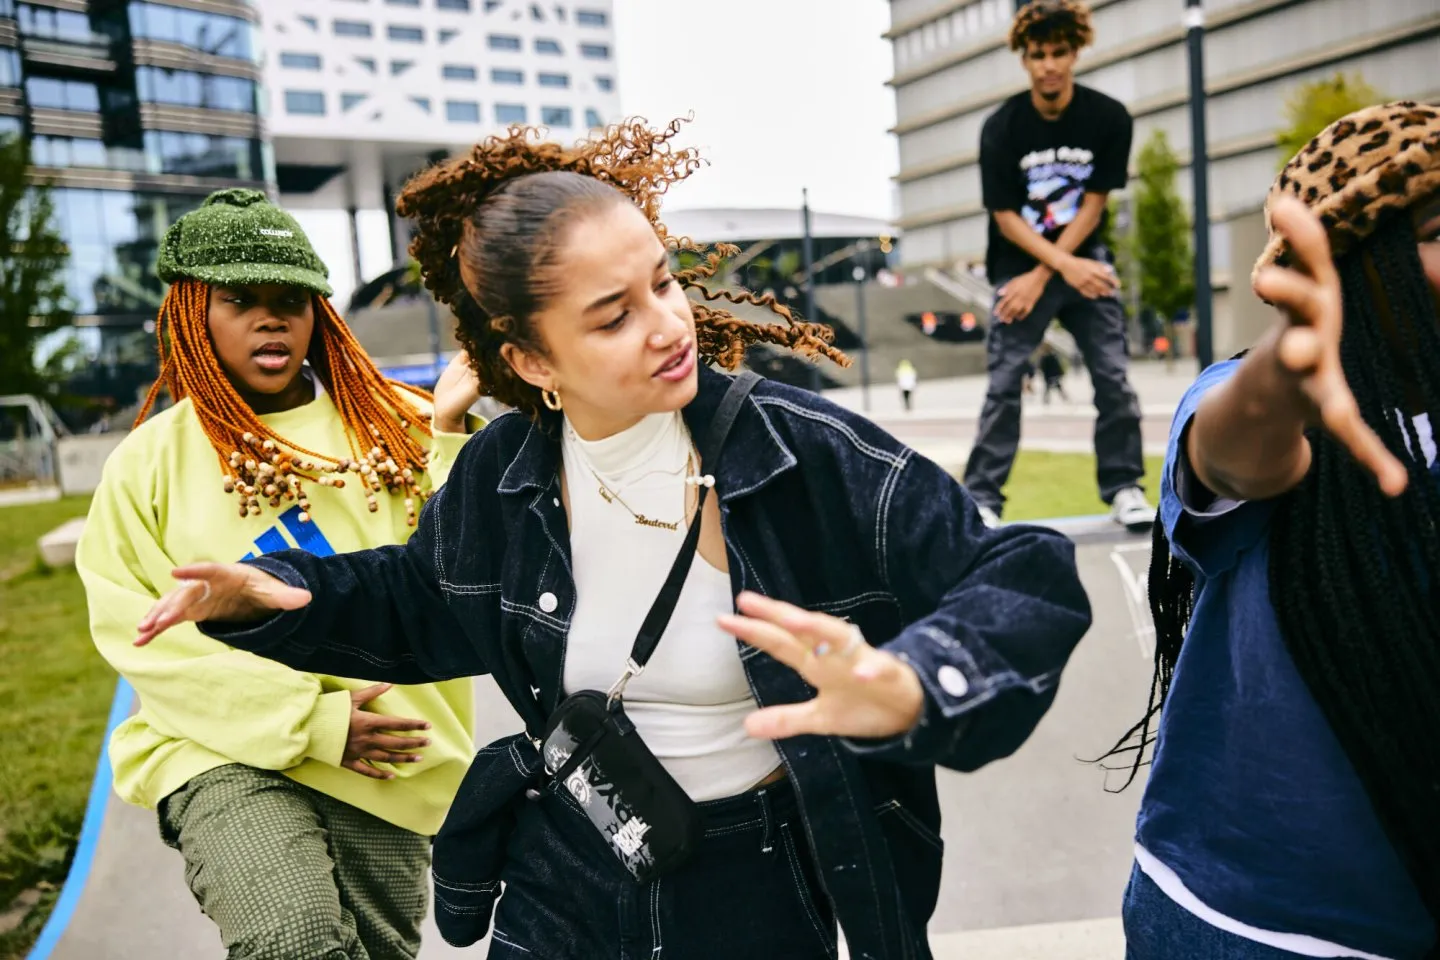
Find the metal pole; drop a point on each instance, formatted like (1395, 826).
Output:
(1199, 172)
(808, 251)
(859, 275)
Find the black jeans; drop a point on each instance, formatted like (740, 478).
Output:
(749, 891)
(1098, 327)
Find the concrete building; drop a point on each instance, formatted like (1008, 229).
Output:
(362, 93)
(953, 69)
(135, 111)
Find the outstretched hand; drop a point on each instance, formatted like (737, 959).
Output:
(1309, 347)
(860, 691)
(232, 592)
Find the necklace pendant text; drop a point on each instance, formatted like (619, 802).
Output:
(645, 521)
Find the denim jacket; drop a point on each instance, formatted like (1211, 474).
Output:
(819, 507)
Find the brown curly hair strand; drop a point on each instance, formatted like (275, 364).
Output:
(486, 226)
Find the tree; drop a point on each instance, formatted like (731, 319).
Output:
(33, 300)
(1161, 250)
(1315, 105)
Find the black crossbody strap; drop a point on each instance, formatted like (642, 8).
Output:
(659, 616)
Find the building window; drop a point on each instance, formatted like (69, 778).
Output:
(453, 5)
(352, 28)
(555, 116)
(605, 84)
(211, 33)
(492, 4)
(403, 3)
(54, 24)
(503, 42)
(558, 80)
(548, 46)
(312, 23)
(592, 18)
(202, 155)
(368, 63)
(559, 13)
(300, 61)
(455, 71)
(447, 35)
(507, 78)
(405, 34)
(9, 68)
(511, 113)
(536, 13)
(348, 100)
(422, 102)
(398, 67)
(305, 103)
(592, 118)
(594, 51)
(186, 89)
(462, 111)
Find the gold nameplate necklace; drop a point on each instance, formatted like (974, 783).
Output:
(610, 496)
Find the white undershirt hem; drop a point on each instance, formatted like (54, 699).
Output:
(1171, 885)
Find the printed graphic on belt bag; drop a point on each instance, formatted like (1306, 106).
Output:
(591, 749)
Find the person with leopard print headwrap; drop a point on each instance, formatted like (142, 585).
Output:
(1293, 806)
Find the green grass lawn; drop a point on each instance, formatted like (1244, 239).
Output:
(59, 692)
(1047, 485)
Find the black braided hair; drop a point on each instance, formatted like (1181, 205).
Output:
(1353, 572)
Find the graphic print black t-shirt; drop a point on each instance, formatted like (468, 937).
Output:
(1042, 168)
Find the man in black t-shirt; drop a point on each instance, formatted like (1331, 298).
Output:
(1048, 158)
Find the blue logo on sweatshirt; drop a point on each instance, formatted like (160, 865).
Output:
(307, 537)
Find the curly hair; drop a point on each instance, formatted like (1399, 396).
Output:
(1052, 21)
(487, 226)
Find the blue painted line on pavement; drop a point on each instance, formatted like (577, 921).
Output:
(90, 830)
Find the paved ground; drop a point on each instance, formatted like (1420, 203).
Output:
(943, 424)
(1037, 851)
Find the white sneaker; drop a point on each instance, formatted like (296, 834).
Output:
(989, 517)
(1132, 511)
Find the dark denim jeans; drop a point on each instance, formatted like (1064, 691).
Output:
(1098, 327)
(1158, 928)
(750, 891)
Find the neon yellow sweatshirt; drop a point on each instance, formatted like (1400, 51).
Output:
(161, 503)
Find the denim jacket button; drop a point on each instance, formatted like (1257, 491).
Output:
(548, 603)
(952, 681)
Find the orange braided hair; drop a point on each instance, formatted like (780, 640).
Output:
(258, 463)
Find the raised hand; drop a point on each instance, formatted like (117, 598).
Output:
(457, 390)
(1308, 350)
(372, 736)
(231, 592)
(860, 691)
(1090, 278)
(1019, 295)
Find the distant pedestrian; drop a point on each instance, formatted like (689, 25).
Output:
(906, 379)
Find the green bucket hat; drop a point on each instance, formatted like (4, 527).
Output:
(237, 237)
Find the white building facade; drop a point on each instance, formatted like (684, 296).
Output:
(363, 93)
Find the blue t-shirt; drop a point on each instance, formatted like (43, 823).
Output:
(1251, 800)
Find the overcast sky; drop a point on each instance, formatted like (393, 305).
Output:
(786, 94)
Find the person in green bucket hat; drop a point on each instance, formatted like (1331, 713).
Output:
(302, 804)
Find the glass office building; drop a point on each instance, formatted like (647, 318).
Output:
(135, 112)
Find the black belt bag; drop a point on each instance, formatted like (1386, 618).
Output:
(590, 747)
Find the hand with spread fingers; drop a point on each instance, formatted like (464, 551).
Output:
(230, 592)
(372, 738)
(1308, 350)
(861, 692)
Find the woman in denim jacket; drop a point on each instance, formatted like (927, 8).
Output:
(811, 754)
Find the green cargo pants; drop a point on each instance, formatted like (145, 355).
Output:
(288, 873)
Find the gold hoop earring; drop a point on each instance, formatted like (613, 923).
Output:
(551, 399)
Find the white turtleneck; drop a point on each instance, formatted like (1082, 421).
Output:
(690, 703)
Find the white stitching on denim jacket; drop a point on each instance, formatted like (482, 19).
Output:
(807, 898)
(829, 743)
(789, 459)
(367, 655)
(840, 426)
(534, 613)
(497, 934)
(882, 517)
(860, 599)
(655, 917)
(913, 822)
(487, 886)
